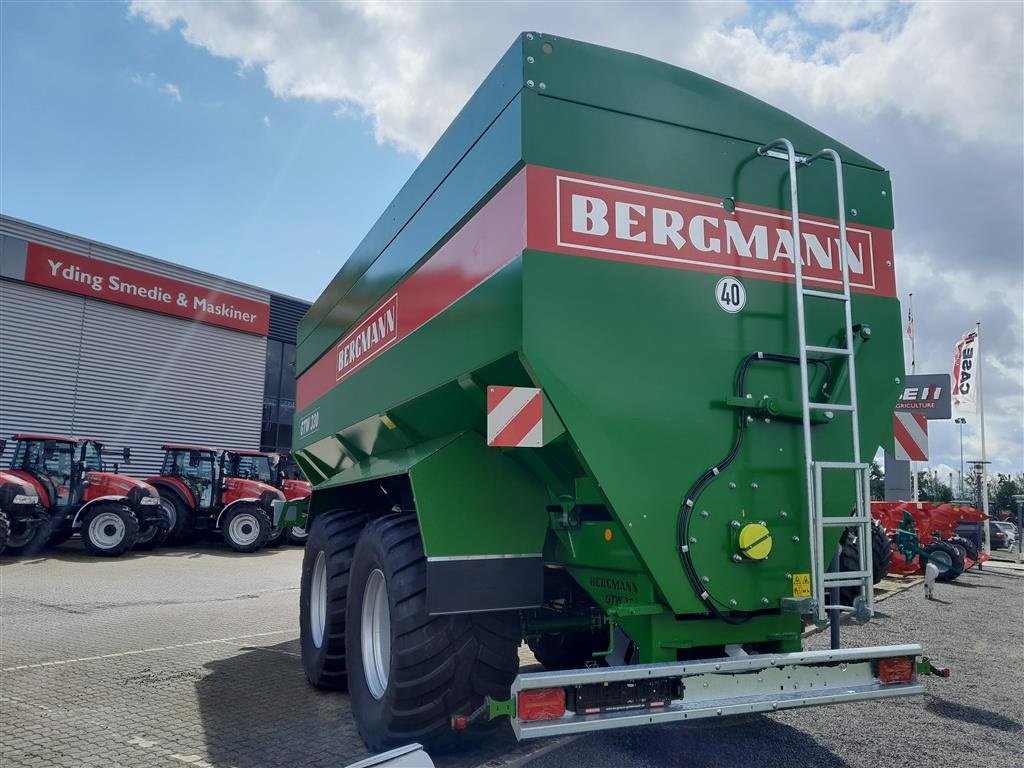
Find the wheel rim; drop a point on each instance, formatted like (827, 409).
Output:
(171, 511)
(298, 532)
(376, 634)
(106, 530)
(244, 529)
(318, 599)
(942, 560)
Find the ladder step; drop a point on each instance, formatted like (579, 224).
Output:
(828, 350)
(827, 294)
(845, 521)
(844, 583)
(841, 465)
(855, 576)
(830, 407)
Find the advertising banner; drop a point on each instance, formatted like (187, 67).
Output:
(965, 365)
(104, 280)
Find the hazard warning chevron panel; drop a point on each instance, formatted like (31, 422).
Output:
(515, 417)
(911, 431)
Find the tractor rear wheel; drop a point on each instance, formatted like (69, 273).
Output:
(28, 536)
(946, 558)
(179, 515)
(323, 595)
(409, 672)
(109, 530)
(245, 527)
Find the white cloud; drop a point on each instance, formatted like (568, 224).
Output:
(171, 90)
(931, 90)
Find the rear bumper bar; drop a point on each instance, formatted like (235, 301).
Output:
(721, 687)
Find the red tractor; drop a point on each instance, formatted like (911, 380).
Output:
(21, 516)
(202, 492)
(112, 512)
(269, 468)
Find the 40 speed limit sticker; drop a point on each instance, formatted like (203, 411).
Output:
(730, 294)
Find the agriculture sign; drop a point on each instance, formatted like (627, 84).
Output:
(927, 395)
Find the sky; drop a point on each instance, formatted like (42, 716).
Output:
(261, 141)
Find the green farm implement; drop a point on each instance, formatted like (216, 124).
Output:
(606, 378)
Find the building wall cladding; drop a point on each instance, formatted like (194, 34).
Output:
(75, 365)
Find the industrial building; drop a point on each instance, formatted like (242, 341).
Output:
(102, 342)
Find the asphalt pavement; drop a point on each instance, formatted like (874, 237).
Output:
(190, 657)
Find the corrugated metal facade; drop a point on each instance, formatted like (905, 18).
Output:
(80, 366)
(285, 315)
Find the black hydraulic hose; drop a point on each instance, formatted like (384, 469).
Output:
(690, 500)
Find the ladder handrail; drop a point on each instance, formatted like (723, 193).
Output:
(794, 198)
(813, 470)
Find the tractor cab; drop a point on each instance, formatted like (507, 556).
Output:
(194, 470)
(113, 512)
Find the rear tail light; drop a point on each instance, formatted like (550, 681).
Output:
(541, 704)
(899, 669)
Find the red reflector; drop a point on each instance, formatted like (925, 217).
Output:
(899, 669)
(542, 704)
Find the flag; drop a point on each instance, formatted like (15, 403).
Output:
(910, 323)
(965, 367)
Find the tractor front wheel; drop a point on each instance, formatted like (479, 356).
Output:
(277, 537)
(109, 530)
(947, 559)
(245, 528)
(28, 536)
(5, 530)
(409, 672)
(179, 516)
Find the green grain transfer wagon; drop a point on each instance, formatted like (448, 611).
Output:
(575, 387)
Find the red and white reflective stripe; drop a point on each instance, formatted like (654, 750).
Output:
(515, 417)
(911, 431)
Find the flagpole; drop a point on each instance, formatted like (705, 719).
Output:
(913, 370)
(984, 458)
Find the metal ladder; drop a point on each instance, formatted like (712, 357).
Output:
(822, 581)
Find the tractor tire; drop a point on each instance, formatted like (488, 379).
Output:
(298, 536)
(278, 536)
(245, 528)
(27, 537)
(968, 546)
(881, 552)
(109, 530)
(949, 561)
(573, 649)
(179, 516)
(409, 672)
(5, 531)
(323, 594)
(153, 533)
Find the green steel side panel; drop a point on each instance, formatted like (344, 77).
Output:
(386, 464)
(474, 500)
(638, 361)
(635, 85)
(569, 136)
(422, 372)
(498, 89)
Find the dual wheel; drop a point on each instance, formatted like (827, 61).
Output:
(364, 626)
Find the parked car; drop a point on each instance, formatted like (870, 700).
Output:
(1009, 533)
(973, 532)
